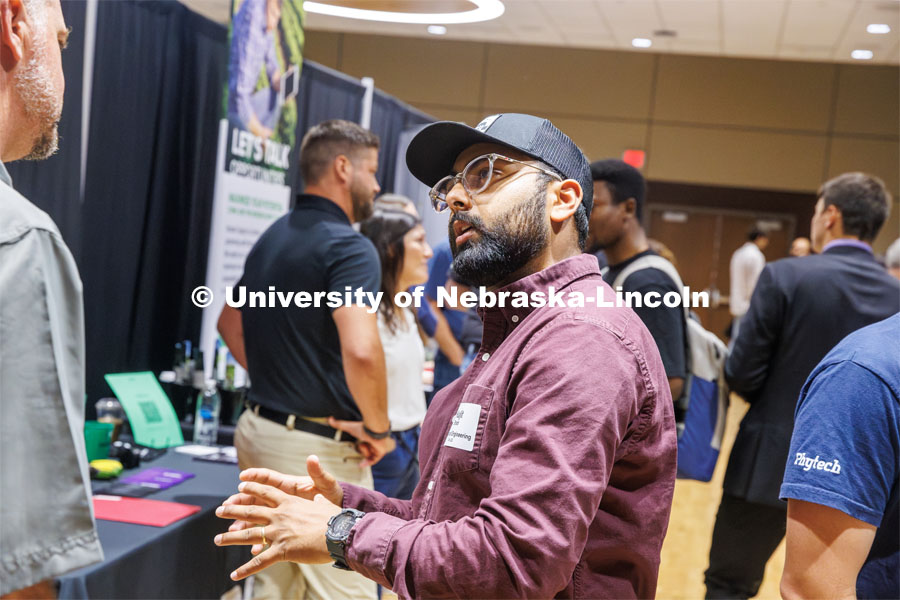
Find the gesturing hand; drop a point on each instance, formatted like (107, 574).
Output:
(293, 527)
(318, 482)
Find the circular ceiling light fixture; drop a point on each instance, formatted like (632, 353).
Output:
(484, 10)
(878, 28)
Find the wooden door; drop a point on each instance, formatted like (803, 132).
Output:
(703, 240)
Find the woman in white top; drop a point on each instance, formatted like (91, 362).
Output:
(397, 233)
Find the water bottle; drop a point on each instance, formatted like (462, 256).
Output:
(206, 420)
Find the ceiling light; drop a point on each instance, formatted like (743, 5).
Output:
(879, 28)
(862, 54)
(484, 10)
(641, 43)
(437, 29)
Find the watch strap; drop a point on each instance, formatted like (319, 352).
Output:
(375, 435)
(336, 543)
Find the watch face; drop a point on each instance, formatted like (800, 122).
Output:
(343, 524)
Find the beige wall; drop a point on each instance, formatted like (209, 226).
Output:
(704, 120)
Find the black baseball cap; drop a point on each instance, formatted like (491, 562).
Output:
(433, 150)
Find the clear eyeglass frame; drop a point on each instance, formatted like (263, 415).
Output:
(474, 183)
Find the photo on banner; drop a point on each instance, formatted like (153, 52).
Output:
(266, 54)
(256, 136)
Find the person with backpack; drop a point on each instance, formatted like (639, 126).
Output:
(694, 358)
(615, 227)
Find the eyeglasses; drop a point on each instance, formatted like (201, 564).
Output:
(475, 178)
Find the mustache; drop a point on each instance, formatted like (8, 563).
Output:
(472, 220)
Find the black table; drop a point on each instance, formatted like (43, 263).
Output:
(177, 561)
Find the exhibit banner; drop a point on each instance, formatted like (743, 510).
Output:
(256, 136)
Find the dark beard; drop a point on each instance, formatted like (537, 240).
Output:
(362, 203)
(518, 237)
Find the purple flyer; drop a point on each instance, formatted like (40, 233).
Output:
(158, 478)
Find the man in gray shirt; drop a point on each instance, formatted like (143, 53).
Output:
(46, 514)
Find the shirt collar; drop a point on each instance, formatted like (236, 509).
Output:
(848, 242)
(313, 202)
(4, 175)
(560, 275)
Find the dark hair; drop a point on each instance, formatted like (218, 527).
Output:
(755, 233)
(623, 182)
(863, 200)
(328, 140)
(386, 228)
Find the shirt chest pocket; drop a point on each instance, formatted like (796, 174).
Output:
(465, 433)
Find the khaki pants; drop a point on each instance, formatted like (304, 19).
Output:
(264, 443)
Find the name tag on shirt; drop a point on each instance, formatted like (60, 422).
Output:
(463, 427)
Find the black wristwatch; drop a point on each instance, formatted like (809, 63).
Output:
(339, 527)
(377, 436)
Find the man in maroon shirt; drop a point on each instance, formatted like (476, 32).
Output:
(548, 467)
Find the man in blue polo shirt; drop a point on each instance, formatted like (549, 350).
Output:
(841, 475)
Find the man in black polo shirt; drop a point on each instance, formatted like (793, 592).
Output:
(309, 364)
(615, 228)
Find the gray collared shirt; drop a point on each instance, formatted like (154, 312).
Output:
(46, 516)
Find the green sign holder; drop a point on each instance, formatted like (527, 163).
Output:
(150, 413)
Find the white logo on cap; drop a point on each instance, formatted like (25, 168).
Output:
(487, 122)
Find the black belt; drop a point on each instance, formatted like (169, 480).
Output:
(301, 424)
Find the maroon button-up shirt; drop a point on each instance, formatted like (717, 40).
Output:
(547, 468)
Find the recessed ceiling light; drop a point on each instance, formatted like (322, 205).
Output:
(437, 29)
(484, 10)
(861, 54)
(641, 43)
(878, 28)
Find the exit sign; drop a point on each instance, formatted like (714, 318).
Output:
(635, 158)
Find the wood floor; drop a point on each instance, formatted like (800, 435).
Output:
(685, 552)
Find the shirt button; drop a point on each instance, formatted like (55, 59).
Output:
(485, 357)
(515, 318)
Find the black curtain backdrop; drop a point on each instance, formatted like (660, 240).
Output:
(390, 118)
(141, 235)
(158, 80)
(324, 94)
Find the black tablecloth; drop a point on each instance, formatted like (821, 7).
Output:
(178, 561)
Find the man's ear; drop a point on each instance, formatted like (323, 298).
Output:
(565, 201)
(630, 207)
(12, 45)
(343, 168)
(833, 219)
